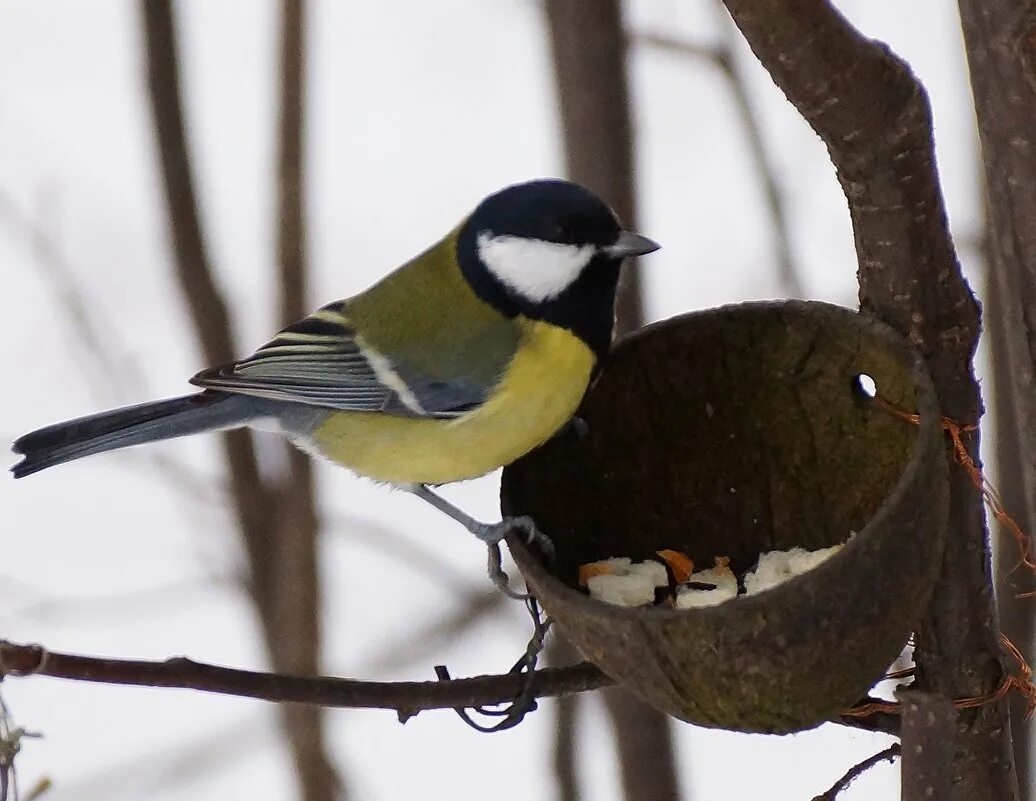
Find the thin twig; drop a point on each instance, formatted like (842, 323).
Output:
(11, 738)
(858, 770)
(406, 698)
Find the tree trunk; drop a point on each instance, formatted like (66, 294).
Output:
(1000, 38)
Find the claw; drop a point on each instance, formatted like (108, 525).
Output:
(499, 577)
(533, 535)
(493, 533)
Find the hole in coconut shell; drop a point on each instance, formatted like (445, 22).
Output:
(864, 386)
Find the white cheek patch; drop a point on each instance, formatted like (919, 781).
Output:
(533, 268)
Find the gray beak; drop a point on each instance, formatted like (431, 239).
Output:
(630, 244)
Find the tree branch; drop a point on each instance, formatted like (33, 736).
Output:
(875, 119)
(858, 770)
(406, 698)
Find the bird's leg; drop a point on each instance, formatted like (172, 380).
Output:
(490, 533)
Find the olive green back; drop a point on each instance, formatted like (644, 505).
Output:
(427, 316)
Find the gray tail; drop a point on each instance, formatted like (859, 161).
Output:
(131, 425)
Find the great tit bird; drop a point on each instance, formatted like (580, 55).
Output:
(459, 362)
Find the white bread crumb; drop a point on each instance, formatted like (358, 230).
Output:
(776, 567)
(632, 589)
(721, 576)
(655, 571)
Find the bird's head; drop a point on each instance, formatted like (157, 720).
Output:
(549, 250)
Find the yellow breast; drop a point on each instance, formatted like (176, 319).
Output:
(536, 396)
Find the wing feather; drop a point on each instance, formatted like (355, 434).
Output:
(322, 361)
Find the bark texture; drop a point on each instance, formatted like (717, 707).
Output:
(1000, 39)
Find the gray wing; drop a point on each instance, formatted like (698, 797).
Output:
(321, 361)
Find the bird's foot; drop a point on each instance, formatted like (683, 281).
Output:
(493, 533)
(490, 533)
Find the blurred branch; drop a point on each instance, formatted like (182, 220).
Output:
(723, 58)
(644, 744)
(406, 698)
(277, 523)
(295, 636)
(566, 714)
(588, 48)
(999, 36)
(1017, 615)
(874, 117)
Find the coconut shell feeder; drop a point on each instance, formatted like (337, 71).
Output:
(732, 432)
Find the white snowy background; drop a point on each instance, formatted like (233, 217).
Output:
(416, 110)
